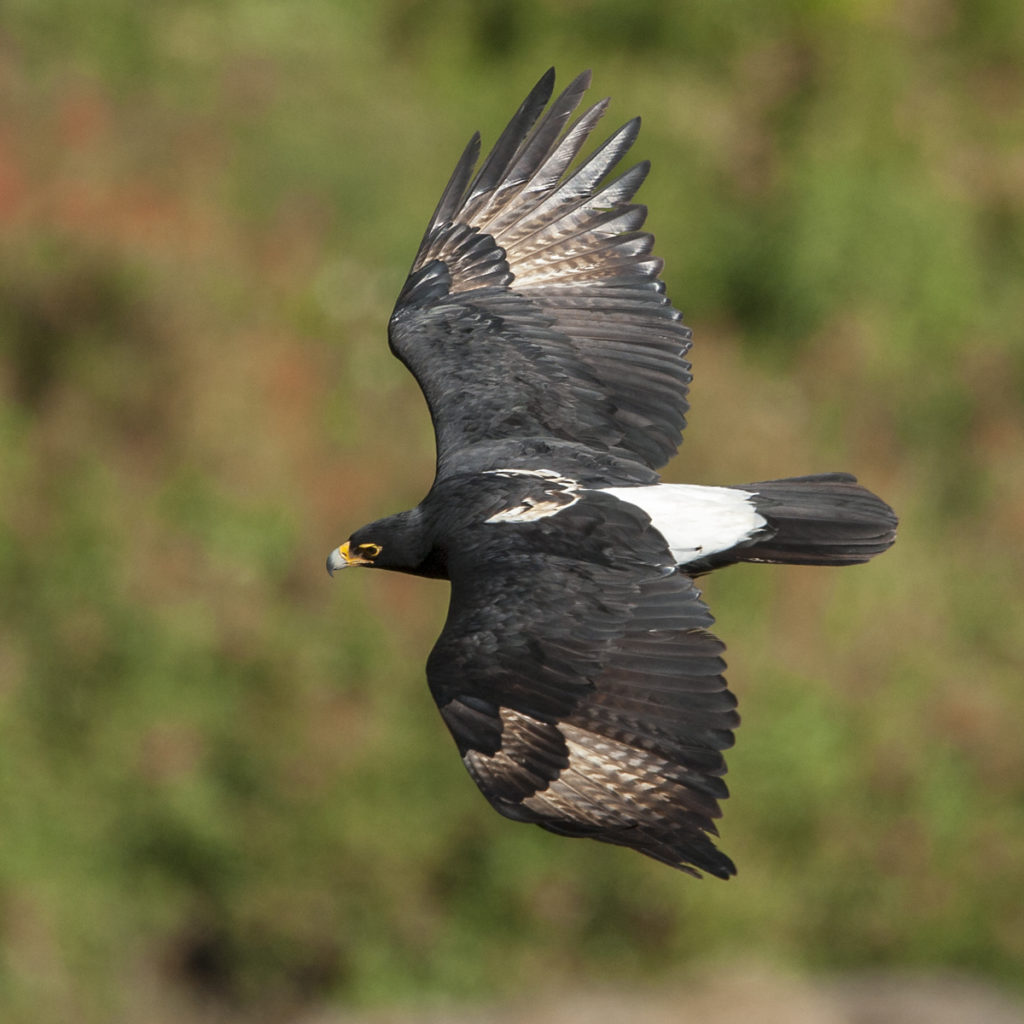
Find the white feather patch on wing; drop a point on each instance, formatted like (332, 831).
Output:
(560, 491)
(517, 730)
(529, 510)
(695, 521)
(604, 780)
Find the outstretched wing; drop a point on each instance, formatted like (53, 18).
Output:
(534, 309)
(589, 699)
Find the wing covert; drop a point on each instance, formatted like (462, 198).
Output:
(534, 308)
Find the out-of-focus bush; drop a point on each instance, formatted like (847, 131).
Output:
(221, 776)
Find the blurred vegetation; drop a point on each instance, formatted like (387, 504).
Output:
(222, 780)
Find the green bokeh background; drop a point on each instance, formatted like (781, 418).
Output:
(222, 778)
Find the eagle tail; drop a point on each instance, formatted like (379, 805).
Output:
(826, 519)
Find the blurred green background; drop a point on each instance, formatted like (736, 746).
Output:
(222, 778)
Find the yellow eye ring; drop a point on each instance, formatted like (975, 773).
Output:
(369, 550)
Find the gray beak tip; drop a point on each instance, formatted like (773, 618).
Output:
(335, 561)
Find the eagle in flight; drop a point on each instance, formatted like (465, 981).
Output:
(576, 669)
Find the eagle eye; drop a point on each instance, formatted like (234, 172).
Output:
(369, 550)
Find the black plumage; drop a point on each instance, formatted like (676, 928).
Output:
(576, 670)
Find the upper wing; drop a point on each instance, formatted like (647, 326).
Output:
(534, 308)
(589, 699)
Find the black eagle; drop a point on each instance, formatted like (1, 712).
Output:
(576, 669)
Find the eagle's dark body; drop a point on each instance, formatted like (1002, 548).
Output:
(576, 671)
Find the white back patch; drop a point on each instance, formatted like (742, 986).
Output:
(695, 521)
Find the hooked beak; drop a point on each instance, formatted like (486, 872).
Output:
(340, 558)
